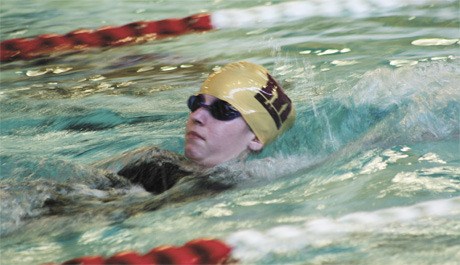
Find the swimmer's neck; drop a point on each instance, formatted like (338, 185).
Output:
(241, 158)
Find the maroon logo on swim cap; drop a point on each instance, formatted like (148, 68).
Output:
(275, 101)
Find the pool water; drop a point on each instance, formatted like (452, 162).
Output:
(369, 174)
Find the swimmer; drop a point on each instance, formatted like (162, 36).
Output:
(238, 110)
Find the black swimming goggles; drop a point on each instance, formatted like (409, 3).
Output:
(219, 109)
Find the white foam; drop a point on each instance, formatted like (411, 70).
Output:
(433, 158)
(328, 52)
(250, 245)
(278, 166)
(376, 164)
(401, 63)
(394, 156)
(297, 10)
(343, 62)
(434, 42)
(406, 183)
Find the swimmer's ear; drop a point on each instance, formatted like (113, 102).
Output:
(255, 145)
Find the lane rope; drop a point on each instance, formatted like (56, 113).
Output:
(136, 32)
(195, 252)
(250, 245)
(142, 31)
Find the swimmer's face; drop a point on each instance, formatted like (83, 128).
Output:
(209, 141)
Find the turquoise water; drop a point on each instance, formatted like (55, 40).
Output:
(369, 174)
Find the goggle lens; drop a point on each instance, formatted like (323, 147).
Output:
(219, 109)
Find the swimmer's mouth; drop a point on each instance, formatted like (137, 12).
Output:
(194, 135)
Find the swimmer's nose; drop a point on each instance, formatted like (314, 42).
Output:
(200, 116)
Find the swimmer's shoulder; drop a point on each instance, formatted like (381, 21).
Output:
(153, 168)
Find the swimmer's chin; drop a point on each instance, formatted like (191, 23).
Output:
(195, 158)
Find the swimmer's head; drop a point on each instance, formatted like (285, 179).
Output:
(259, 98)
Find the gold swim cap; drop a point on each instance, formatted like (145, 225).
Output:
(256, 95)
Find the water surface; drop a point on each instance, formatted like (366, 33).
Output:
(369, 174)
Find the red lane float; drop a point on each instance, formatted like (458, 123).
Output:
(30, 48)
(195, 252)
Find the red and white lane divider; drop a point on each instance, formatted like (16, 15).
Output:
(195, 252)
(250, 245)
(30, 48)
(138, 32)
